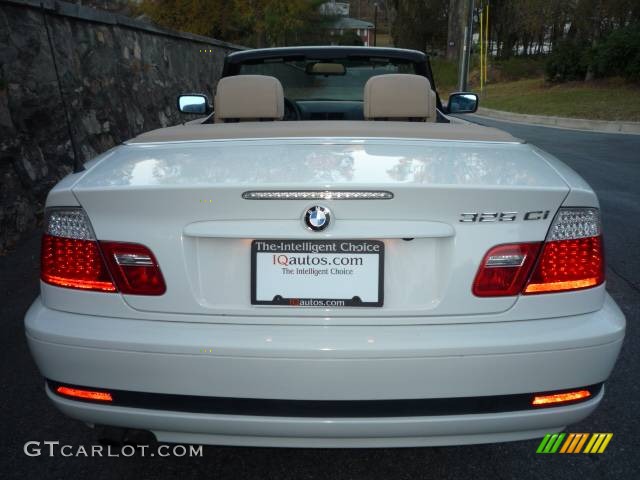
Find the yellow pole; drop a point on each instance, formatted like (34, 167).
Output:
(486, 44)
(481, 51)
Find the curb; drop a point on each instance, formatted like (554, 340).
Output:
(602, 126)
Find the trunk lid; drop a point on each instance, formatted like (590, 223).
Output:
(184, 201)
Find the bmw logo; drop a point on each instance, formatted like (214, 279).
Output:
(317, 218)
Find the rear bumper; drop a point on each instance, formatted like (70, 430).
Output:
(327, 363)
(180, 427)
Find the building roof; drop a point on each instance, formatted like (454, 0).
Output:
(348, 23)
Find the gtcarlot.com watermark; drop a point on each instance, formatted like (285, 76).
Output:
(53, 448)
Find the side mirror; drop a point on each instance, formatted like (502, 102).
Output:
(463, 102)
(194, 103)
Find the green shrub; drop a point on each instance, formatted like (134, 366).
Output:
(568, 61)
(518, 68)
(619, 54)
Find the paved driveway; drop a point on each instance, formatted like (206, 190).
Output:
(611, 163)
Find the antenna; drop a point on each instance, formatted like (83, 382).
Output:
(77, 163)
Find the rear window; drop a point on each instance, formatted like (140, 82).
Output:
(299, 84)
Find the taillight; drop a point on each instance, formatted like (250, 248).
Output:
(71, 257)
(573, 254)
(505, 269)
(572, 258)
(134, 268)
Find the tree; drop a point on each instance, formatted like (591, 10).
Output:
(202, 17)
(455, 28)
(257, 23)
(420, 24)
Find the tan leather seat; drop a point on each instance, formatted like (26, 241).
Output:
(399, 96)
(245, 98)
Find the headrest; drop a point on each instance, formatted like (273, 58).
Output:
(249, 97)
(399, 96)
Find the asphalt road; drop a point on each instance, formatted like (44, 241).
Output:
(610, 163)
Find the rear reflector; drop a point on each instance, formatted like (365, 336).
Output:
(84, 394)
(505, 269)
(71, 257)
(565, 397)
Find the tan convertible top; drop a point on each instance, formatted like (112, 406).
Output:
(324, 128)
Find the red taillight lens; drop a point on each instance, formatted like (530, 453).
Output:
(505, 269)
(134, 268)
(568, 265)
(74, 263)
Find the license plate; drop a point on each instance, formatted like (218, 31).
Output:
(317, 273)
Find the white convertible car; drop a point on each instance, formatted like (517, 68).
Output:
(368, 272)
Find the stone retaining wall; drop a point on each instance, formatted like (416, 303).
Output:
(119, 77)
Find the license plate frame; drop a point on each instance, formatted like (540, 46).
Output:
(366, 249)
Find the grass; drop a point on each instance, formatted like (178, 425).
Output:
(611, 99)
(516, 68)
(517, 85)
(445, 74)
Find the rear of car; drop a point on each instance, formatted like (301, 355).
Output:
(325, 284)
